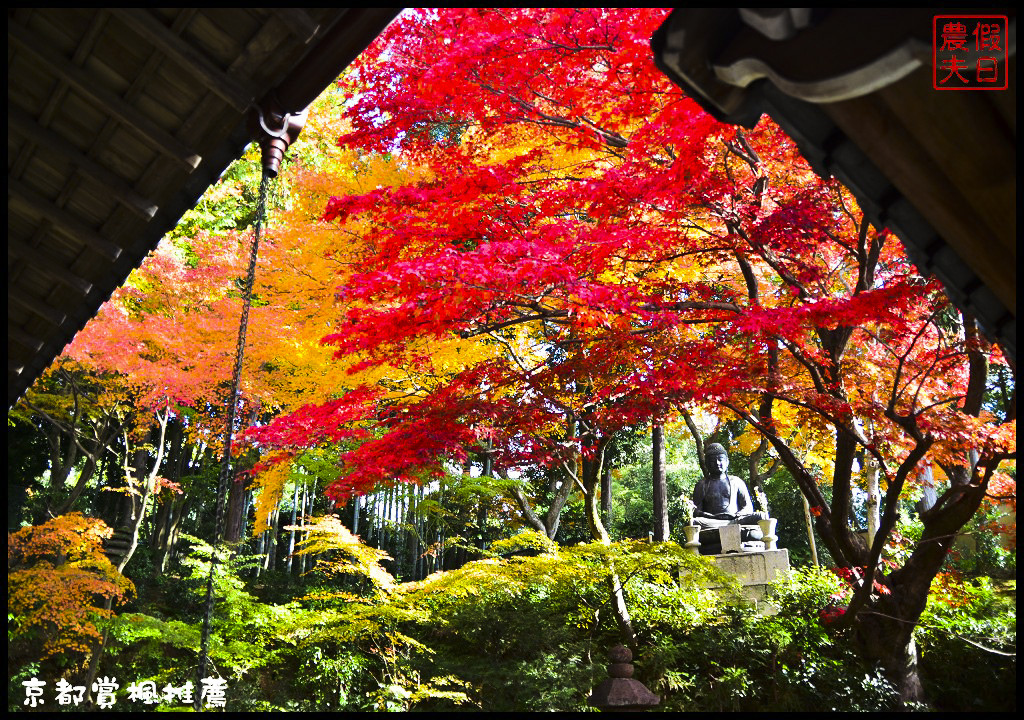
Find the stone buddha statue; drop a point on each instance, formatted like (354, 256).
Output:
(722, 499)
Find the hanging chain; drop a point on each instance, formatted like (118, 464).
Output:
(229, 426)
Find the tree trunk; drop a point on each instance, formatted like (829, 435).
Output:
(83, 478)
(246, 506)
(177, 509)
(810, 531)
(61, 464)
(590, 482)
(104, 433)
(304, 560)
(412, 540)
(697, 440)
(145, 483)
(481, 518)
(261, 565)
(659, 483)
(549, 523)
(166, 505)
(236, 506)
(606, 494)
(371, 517)
(291, 533)
(874, 498)
(274, 549)
(885, 631)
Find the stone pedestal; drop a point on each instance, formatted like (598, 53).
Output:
(755, 570)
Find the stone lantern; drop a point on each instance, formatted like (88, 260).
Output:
(620, 692)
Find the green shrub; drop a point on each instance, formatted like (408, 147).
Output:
(967, 639)
(530, 633)
(732, 659)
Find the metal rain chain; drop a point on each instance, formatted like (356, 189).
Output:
(273, 143)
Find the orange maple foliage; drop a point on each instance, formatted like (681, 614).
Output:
(59, 584)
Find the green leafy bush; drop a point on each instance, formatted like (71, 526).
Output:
(733, 659)
(530, 633)
(967, 640)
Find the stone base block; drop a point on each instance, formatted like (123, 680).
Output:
(754, 568)
(755, 571)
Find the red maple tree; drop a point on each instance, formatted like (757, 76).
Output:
(620, 255)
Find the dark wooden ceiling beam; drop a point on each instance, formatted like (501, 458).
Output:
(46, 265)
(55, 98)
(17, 335)
(22, 123)
(126, 114)
(340, 45)
(298, 22)
(171, 45)
(48, 313)
(63, 220)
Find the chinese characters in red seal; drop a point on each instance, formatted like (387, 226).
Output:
(969, 52)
